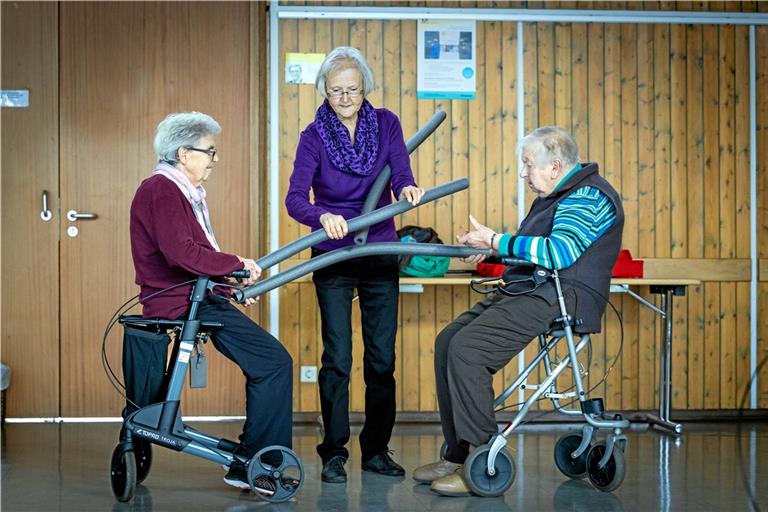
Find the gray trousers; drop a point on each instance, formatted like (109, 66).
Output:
(470, 350)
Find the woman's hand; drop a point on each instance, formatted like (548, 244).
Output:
(412, 194)
(480, 237)
(335, 226)
(255, 270)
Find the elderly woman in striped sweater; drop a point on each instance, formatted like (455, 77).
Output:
(574, 225)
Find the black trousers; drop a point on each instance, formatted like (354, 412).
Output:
(376, 281)
(268, 369)
(470, 350)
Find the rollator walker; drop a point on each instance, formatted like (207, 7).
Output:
(490, 469)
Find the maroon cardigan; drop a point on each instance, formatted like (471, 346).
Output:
(169, 247)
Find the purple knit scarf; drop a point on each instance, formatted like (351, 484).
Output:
(353, 160)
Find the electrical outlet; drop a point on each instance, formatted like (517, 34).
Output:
(308, 374)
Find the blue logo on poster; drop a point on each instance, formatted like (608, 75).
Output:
(467, 72)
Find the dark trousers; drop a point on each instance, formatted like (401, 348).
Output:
(376, 281)
(268, 369)
(470, 350)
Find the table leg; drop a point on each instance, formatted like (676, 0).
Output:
(665, 368)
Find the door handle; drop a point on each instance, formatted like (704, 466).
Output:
(73, 215)
(45, 213)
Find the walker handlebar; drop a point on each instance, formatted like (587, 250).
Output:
(353, 251)
(362, 221)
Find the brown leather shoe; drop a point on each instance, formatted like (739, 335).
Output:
(452, 485)
(431, 472)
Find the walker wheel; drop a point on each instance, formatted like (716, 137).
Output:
(476, 472)
(122, 474)
(142, 450)
(610, 476)
(275, 473)
(443, 450)
(570, 467)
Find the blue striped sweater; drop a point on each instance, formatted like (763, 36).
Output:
(580, 219)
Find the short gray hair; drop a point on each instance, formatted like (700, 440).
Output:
(182, 129)
(344, 57)
(550, 143)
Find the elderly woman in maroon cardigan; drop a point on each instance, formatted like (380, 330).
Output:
(339, 156)
(172, 242)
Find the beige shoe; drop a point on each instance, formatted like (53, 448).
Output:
(431, 472)
(452, 485)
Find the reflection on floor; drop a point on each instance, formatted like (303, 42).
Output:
(710, 467)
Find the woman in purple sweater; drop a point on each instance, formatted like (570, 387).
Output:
(172, 242)
(339, 156)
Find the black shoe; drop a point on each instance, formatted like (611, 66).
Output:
(238, 477)
(333, 470)
(383, 464)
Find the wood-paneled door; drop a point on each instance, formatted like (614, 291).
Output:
(30, 159)
(120, 69)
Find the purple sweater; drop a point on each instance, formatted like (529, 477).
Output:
(343, 193)
(169, 247)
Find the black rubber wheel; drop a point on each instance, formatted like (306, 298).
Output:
(275, 473)
(443, 450)
(476, 472)
(122, 474)
(142, 451)
(610, 476)
(570, 467)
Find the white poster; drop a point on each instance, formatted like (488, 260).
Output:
(14, 98)
(302, 68)
(446, 59)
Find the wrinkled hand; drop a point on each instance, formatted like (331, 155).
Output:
(250, 265)
(480, 237)
(335, 226)
(412, 194)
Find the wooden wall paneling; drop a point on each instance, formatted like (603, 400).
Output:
(678, 199)
(646, 398)
(562, 79)
(545, 74)
(627, 368)
(695, 205)
(661, 63)
(761, 48)
(580, 86)
(711, 219)
(289, 228)
(30, 164)
(742, 201)
(727, 212)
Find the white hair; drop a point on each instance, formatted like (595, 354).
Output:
(344, 57)
(550, 143)
(182, 129)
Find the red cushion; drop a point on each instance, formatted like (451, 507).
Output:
(627, 267)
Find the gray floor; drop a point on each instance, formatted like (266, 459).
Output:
(65, 467)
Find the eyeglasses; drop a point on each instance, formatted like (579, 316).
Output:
(338, 93)
(211, 152)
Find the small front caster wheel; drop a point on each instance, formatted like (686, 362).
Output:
(122, 474)
(570, 467)
(611, 475)
(142, 451)
(476, 472)
(275, 473)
